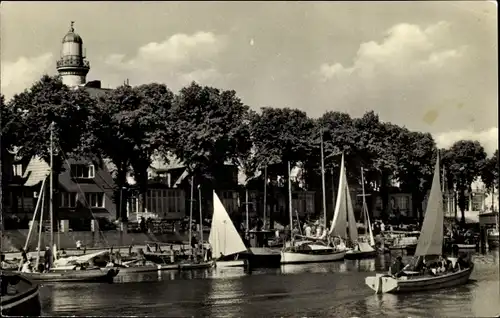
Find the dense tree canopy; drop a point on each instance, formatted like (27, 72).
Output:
(464, 161)
(209, 129)
(206, 127)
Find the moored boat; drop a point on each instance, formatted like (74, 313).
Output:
(83, 275)
(19, 296)
(310, 252)
(430, 244)
(225, 241)
(364, 250)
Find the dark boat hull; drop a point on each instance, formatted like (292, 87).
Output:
(361, 254)
(88, 276)
(262, 258)
(24, 303)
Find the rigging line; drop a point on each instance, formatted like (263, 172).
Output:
(81, 191)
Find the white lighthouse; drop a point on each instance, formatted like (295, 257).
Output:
(72, 66)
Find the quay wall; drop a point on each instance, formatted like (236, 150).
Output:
(14, 240)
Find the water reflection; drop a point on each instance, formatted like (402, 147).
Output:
(330, 289)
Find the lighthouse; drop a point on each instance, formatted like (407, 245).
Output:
(72, 66)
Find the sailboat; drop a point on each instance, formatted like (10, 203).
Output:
(76, 272)
(430, 244)
(363, 249)
(307, 251)
(224, 239)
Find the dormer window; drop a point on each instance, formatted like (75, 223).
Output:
(83, 171)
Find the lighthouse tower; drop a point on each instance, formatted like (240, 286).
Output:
(72, 66)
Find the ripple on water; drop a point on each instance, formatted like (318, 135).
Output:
(315, 290)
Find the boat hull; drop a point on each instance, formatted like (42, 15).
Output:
(303, 258)
(262, 257)
(25, 303)
(360, 254)
(382, 283)
(167, 267)
(89, 275)
(235, 263)
(465, 246)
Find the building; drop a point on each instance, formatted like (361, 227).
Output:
(84, 190)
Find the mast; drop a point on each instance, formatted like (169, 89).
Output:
(51, 189)
(265, 196)
(323, 180)
(40, 227)
(201, 218)
(365, 212)
(246, 210)
(191, 210)
(290, 196)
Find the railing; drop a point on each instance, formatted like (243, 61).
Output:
(73, 61)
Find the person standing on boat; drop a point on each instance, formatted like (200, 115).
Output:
(48, 258)
(308, 230)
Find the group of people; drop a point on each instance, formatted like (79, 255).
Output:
(27, 267)
(434, 267)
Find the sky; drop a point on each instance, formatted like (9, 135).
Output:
(429, 66)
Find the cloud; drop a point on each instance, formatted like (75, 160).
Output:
(181, 57)
(405, 50)
(488, 138)
(411, 73)
(18, 75)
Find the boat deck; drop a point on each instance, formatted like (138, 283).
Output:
(21, 298)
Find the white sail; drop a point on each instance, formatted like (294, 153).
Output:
(338, 227)
(368, 224)
(430, 241)
(224, 238)
(353, 229)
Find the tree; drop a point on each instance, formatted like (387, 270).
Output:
(489, 173)
(281, 135)
(113, 134)
(378, 148)
(465, 160)
(152, 124)
(209, 129)
(415, 163)
(50, 101)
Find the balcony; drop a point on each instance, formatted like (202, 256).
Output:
(70, 62)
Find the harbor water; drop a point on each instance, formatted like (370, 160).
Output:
(314, 290)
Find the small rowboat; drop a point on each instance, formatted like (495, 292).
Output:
(85, 275)
(151, 267)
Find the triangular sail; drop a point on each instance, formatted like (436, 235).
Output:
(338, 227)
(430, 241)
(224, 238)
(353, 229)
(368, 224)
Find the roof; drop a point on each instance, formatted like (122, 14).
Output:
(36, 171)
(96, 92)
(71, 36)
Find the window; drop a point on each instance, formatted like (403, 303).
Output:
(68, 200)
(17, 169)
(95, 199)
(83, 171)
